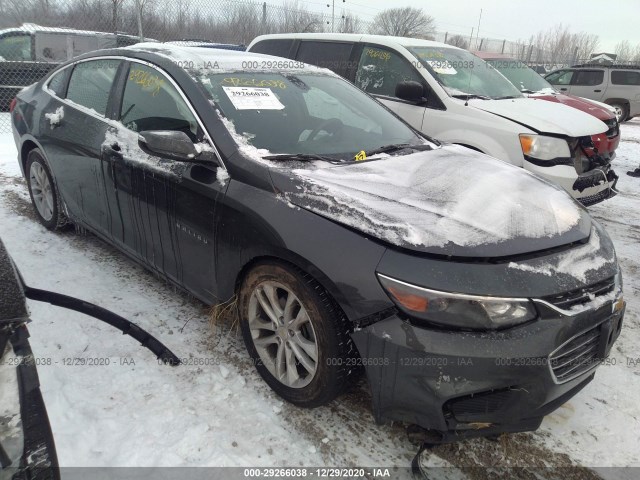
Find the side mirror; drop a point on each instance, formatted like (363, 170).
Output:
(410, 91)
(168, 143)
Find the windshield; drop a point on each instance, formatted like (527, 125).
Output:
(462, 73)
(15, 47)
(305, 113)
(521, 75)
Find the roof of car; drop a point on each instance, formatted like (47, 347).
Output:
(207, 44)
(357, 37)
(220, 60)
(33, 28)
(600, 65)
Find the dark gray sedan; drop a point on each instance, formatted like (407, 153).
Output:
(477, 297)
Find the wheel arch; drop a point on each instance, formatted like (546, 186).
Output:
(623, 101)
(29, 144)
(290, 259)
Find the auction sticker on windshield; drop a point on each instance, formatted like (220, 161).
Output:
(253, 98)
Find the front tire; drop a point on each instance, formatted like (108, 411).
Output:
(43, 192)
(296, 334)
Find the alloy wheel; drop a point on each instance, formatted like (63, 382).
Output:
(283, 334)
(41, 191)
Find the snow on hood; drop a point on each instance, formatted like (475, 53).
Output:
(587, 106)
(543, 116)
(577, 262)
(450, 200)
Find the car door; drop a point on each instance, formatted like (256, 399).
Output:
(167, 209)
(72, 128)
(588, 83)
(561, 79)
(379, 71)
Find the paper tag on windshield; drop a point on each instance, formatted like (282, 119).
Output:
(442, 66)
(253, 98)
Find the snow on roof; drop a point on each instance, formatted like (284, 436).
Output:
(33, 28)
(198, 58)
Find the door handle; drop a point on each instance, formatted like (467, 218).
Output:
(597, 90)
(563, 89)
(112, 152)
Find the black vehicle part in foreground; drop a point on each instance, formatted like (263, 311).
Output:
(27, 449)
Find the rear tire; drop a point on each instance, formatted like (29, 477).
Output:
(42, 190)
(621, 111)
(296, 335)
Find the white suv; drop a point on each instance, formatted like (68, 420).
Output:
(452, 95)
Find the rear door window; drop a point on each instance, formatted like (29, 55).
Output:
(151, 102)
(380, 70)
(276, 47)
(332, 55)
(90, 84)
(561, 77)
(625, 77)
(58, 82)
(588, 77)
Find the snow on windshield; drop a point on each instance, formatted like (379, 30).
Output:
(434, 198)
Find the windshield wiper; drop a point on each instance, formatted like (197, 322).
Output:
(506, 97)
(526, 90)
(468, 96)
(303, 157)
(396, 146)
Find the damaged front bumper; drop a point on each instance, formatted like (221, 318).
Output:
(597, 178)
(458, 384)
(596, 183)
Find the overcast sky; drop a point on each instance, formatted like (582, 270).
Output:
(612, 21)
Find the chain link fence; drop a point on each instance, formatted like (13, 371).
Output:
(35, 35)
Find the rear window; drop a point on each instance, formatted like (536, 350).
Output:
(588, 77)
(90, 84)
(332, 55)
(276, 47)
(625, 77)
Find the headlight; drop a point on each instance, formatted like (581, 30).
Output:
(543, 147)
(458, 310)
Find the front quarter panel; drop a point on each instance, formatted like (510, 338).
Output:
(257, 223)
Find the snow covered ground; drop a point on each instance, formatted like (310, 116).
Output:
(215, 411)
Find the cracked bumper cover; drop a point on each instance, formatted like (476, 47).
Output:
(467, 384)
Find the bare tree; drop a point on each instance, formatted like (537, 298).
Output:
(404, 22)
(458, 41)
(349, 23)
(584, 44)
(624, 51)
(140, 6)
(115, 5)
(297, 19)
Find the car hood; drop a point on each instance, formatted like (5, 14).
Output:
(449, 201)
(582, 104)
(543, 117)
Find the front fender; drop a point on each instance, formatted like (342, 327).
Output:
(255, 223)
